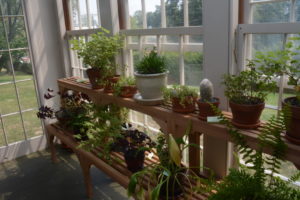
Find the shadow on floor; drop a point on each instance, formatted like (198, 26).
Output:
(35, 177)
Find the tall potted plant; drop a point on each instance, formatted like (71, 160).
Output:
(286, 62)
(98, 53)
(151, 76)
(247, 92)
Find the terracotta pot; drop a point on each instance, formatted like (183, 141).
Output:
(134, 160)
(293, 132)
(246, 116)
(205, 109)
(128, 91)
(110, 82)
(94, 75)
(186, 107)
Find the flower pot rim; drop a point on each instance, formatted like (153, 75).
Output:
(216, 98)
(285, 103)
(247, 105)
(150, 75)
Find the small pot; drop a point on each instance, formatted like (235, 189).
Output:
(128, 91)
(293, 132)
(95, 74)
(246, 116)
(205, 109)
(110, 82)
(134, 160)
(187, 106)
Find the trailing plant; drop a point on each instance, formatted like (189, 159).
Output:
(251, 182)
(206, 91)
(283, 62)
(250, 86)
(100, 50)
(184, 93)
(152, 63)
(123, 81)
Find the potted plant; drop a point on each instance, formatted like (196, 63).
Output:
(125, 87)
(286, 62)
(151, 76)
(183, 98)
(251, 181)
(98, 53)
(247, 92)
(110, 82)
(206, 99)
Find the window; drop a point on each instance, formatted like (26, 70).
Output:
(18, 99)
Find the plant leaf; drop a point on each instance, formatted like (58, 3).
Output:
(174, 151)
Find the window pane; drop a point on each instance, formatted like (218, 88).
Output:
(153, 11)
(22, 65)
(11, 7)
(32, 124)
(27, 95)
(94, 14)
(298, 10)
(172, 59)
(3, 41)
(271, 12)
(2, 137)
(135, 13)
(83, 14)
(138, 117)
(8, 99)
(195, 12)
(15, 27)
(267, 114)
(5, 68)
(13, 127)
(267, 42)
(196, 39)
(74, 11)
(193, 63)
(174, 13)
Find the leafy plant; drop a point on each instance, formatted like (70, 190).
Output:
(206, 91)
(100, 50)
(123, 81)
(152, 63)
(184, 93)
(283, 62)
(249, 87)
(251, 182)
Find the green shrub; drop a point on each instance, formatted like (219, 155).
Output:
(152, 63)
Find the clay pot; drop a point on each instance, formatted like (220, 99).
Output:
(293, 132)
(110, 82)
(186, 107)
(205, 109)
(95, 75)
(128, 91)
(134, 160)
(246, 116)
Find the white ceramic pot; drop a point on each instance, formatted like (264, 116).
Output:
(150, 85)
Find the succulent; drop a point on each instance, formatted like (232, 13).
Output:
(206, 90)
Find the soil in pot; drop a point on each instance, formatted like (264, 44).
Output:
(187, 106)
(293, 132)
(110, 82)
(205, 109)
(128, 91)
(246, 116)
(134, 159)
(95, 75)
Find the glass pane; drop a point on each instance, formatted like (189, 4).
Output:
(267, 114)
(298, 10)
(32, 124)
(196, 39)
(174, 13)
(16, 32)
(138, 117)
(6, 74)
(151, 39)
(267, 42)
(3, 41)
(22, 64)
(74, 11)
(83, 14)
(172, 39)
(271, 12)
(8, 99)
(13, 128)
(272, 99)
(153, 11)
(172, 59)
(193, 65)
(27, 95)
(94, 14)
(135, 13)
(11, 7)
(135, 58)
(195, 12)
(2, 140)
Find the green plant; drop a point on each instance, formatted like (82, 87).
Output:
(206, 90)
(123, 81)
(184, 93)
(152, 63)
(283, 62)
(251, 182)
(248, 87)
(100, 50)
